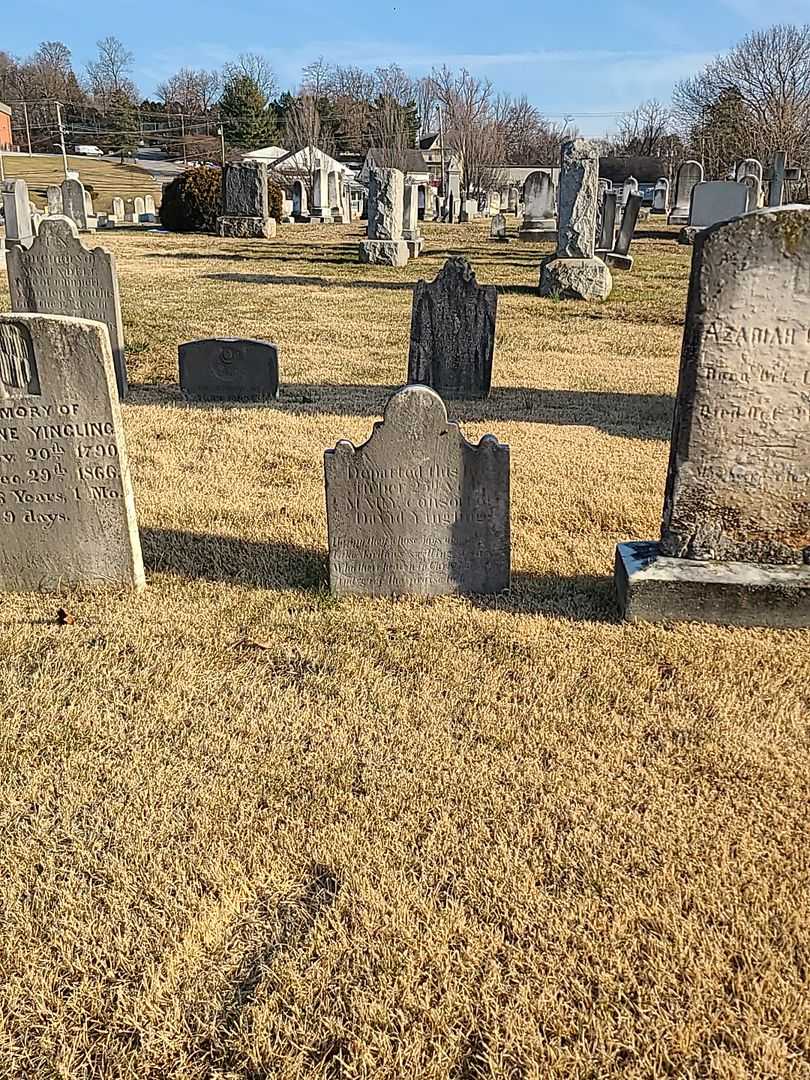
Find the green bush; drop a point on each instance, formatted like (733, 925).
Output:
(192, 202)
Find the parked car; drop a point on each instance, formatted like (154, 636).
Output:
(88, 150)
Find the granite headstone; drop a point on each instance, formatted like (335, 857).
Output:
(229, 369)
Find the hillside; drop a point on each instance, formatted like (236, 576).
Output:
(104, 179)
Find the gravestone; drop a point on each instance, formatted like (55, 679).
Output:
(59, 276)
(574, 272)
(620, 258)
(497, 229)
(629, 187)
(410, 220)
(67, 513)
(660, 196)
(54, 197)
(607, 233)
(245, 213)
(714, 201)
(321, 211)
(689, 174)
(229, 369)
(417, 510)
(750, 172)
(735, 538)
(776, 189)
(17, 214)
(139, 209)
(149, 206)
(335, 202)
(118, 209)
(385, 245)
(453, 333)
(74, 204)
(539, 223)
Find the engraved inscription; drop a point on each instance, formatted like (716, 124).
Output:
(18, 368)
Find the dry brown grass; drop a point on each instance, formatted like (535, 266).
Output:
(464, 839)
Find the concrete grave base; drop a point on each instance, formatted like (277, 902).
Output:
(616, 261)
(656, 588)
(676, 217)
(384, 252)
(247, 228)
(537, 234)
(575, 279)
(415, 247)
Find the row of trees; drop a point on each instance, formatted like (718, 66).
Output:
(747, 103)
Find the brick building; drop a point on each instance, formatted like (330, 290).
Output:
(5, 127)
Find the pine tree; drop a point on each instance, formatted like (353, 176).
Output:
(248, 121)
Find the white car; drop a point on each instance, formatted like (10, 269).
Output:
(89, 151)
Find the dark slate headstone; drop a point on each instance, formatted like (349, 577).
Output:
(67, 514)
(57, 275)
(453, 333)
(244, 190)
(735, 538)
(229, 369)
(417, 510)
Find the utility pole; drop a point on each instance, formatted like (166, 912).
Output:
(61, 135)
(27, 128)
(221, 133)
(183, 137)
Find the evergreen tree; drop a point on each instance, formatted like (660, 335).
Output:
(122, 125)
(247, 118)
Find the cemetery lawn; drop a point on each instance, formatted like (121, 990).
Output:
(250, 831)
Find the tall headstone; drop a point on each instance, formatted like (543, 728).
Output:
(539, 223)
(335, 205)
(321, 210)
(74, 204)
(574, 272)
(714, 201)
(17, 214)
(776, 189)
(607, 234)
(453, 333)
(385, 210)
(229, 369)
(417, 510)
(629, 187)
(140, 208)
(245, 202)
(735, 537)
(513, 198)
(118, 209)
(54, 196)
(410, 220)
(67, 512)
(59, 276)
(620, 258)
(660, 196)
(689, 174)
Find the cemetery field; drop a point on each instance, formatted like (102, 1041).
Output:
(104, 179)
(250, 830)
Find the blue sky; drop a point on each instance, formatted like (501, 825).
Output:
(571, 59)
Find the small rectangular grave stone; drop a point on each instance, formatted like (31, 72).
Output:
(67, 512)
(17, 214)
(453, 333)
(417, 510)
(229, 369)
(620, 258)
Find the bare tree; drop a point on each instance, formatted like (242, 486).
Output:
(304, 132)
(753, 100)
(642, 131)
(471, 127)
(108, 75)
(193, 92)
(255, 67)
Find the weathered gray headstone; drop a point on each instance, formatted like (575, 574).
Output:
(629, 187)
(54, 196)
(750, 172)
(539, 221)
(453, 333)
(74, 204)
(607, 235)
(776, 189)
(229, 369)
(714, 201)
(245, 202)
(59, 276)
(689, 174)
(67, 513)
(321, 210)
(497, 228)
(620, 258)
(574, 272)
(118, 209)
(140, 208)
(17, 214)
(660, 196)
(417, 510)
(410, 220)
(735, 538)
(385, 209)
